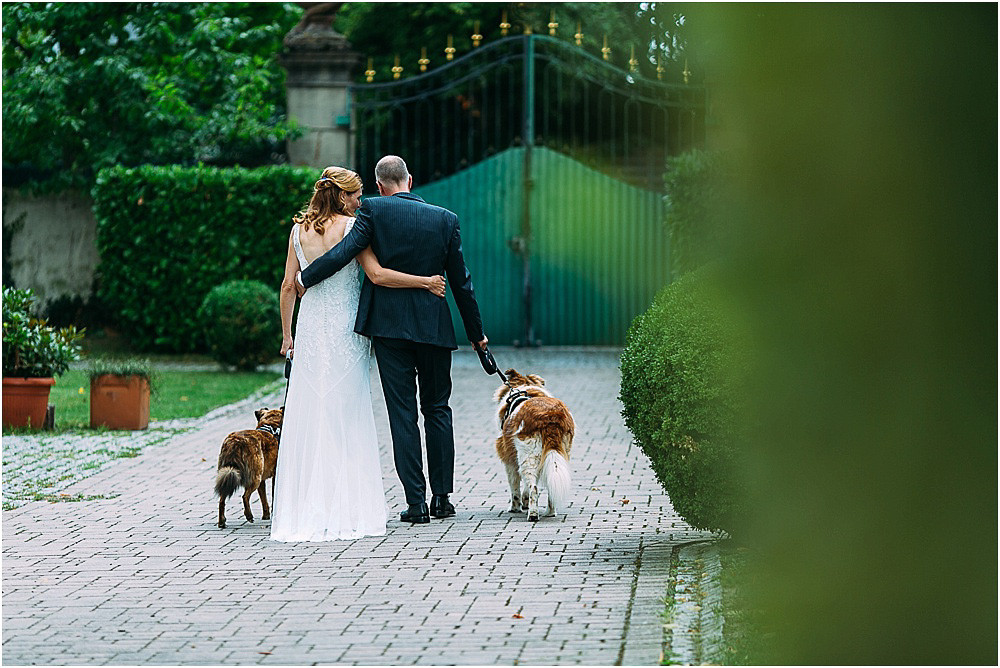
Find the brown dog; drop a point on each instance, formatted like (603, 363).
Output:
(247, 459)
(536, 434)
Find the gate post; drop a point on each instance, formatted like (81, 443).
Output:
(319, 62)
(528, 136)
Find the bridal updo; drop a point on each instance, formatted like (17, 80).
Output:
(328, 198)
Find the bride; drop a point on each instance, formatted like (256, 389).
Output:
(328, 484)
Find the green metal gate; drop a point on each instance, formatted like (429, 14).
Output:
(553, 161)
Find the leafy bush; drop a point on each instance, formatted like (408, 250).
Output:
(679, 369)
(242, 325)
(692, 220)
(168, 235)
(31, 348)
(91, 85)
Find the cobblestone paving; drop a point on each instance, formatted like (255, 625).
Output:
(146, 577)
(40, 466)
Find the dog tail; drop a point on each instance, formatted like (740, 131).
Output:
(227, 481)
(556, 478)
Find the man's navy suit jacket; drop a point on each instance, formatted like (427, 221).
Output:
(411, 236)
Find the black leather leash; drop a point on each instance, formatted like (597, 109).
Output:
(288, 374)
(514, 397)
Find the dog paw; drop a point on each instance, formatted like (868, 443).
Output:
(515, 509)
(266, 517)
(532, 517)
(222, 525)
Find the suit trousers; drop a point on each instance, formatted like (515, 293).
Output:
(402, 366)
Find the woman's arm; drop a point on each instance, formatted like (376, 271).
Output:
(286, 301)
(390, 278)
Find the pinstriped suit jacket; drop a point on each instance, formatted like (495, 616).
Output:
(408, 235)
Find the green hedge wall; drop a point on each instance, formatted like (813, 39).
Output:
(680, 366)
(168, 235)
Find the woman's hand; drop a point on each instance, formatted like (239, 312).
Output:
(435, 284)
(286, 345)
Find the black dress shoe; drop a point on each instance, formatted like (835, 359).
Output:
(440, 507)
(416, 513)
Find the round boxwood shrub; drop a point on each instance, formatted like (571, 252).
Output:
(679, 371)
(242, 324)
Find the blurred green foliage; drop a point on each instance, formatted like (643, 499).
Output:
(692, 218)
(653, 28)
(681, 368)
(241, 324)
(860, 148)
(168, 235)
(91, 85)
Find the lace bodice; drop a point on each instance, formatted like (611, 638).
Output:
(325, 338)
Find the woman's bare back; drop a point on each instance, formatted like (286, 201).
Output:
(314, 245)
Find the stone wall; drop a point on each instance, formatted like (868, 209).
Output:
(49, 244)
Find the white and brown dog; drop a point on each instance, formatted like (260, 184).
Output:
(536, 433)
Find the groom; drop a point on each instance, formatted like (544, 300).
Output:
(411, 330)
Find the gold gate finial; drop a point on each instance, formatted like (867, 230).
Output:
(370, 72)
(579, 34)
(633, 64)
(606, 51)
(397, 69)
(476, 37)
(686, 72)
(659, 67)
(449, 51)
(424, 60)
(504, 26)
(552, 24)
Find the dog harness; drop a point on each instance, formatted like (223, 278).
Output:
(514, 399)
(273, 431)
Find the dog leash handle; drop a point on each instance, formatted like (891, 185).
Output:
(489, 364)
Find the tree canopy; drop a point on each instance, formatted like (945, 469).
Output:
(90, 85)
(656, 30)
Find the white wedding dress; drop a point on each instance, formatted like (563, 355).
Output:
(328, 484)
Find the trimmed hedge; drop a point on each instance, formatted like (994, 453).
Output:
(679, 366)
(168, 235)
(242, 324)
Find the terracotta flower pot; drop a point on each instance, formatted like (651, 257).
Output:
(119, 402)
(25, 401)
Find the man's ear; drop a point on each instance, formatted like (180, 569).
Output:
(409, 182)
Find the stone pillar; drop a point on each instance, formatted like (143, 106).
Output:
(319, 63)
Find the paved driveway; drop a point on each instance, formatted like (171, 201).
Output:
(146, 577)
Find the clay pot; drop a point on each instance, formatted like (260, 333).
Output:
(119, 402)
(25, 401)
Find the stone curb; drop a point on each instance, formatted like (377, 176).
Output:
(695, 631)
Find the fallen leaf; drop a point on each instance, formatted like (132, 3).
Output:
(184, 398)
(263, 652)
(517, 616)
(625, 502)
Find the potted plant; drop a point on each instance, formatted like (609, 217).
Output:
(33, 355)
(119, 393)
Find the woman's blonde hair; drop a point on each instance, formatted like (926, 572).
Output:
(327, 198)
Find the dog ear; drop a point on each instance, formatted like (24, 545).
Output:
(257, 413)
(537, 380)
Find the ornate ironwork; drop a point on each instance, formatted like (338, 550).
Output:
(523, 91)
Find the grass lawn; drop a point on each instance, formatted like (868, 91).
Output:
(176, 394)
